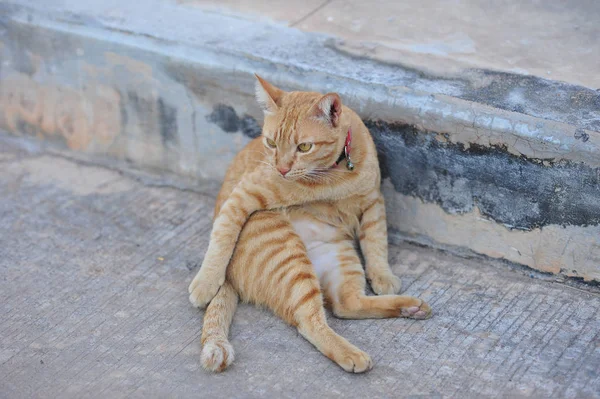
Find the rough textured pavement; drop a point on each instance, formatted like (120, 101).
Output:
(94, 267)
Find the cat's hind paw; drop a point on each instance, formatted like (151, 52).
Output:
(216, 356)
(386, 284)
(421, 312)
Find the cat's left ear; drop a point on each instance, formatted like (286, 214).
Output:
(328, 109)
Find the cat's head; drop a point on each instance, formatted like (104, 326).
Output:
(303, 133)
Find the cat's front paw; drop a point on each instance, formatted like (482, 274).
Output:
(386, 284)
(203, 289)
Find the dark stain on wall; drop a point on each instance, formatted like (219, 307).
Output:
(227, 119)
(123, 109)
(518, 192)
(580, 134)
(167, 119)
(154, 115)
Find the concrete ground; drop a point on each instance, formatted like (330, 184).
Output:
(554, 40)
(94, 266)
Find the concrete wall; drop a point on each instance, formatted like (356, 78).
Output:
(493, 166)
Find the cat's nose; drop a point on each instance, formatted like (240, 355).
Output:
(283, 171)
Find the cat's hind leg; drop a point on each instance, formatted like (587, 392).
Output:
(374, 245)
(344, 287)
(217, 352)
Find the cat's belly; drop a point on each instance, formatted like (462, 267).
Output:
(322, 247)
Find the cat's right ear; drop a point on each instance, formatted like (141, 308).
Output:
(267, 95)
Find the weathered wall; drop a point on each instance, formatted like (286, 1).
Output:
(101, 97)
(534, 212)
(462, 168)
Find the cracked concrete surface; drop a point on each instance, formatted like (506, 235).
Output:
(94, 268)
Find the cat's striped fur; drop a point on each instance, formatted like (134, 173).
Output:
(299, 250)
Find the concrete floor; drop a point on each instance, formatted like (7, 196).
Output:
(94, 266)
(556, 40)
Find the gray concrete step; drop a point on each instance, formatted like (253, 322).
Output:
(94, 266)
(483, 160)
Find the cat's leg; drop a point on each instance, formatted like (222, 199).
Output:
(217, 352)
(247, 197)
(270, 267)
(373, 239)
(344, 287)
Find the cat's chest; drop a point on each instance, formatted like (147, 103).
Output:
(321, 223)
(312, 231)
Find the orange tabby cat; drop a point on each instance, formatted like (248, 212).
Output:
(315, 178)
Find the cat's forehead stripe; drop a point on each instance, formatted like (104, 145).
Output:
(289, 122)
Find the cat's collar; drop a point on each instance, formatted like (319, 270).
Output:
(346, 152)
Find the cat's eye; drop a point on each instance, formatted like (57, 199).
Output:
(304, 147)
(271, 143)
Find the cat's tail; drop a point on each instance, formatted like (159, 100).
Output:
(217, 352)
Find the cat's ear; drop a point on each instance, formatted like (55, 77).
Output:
(267, 95)
(328, 109)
